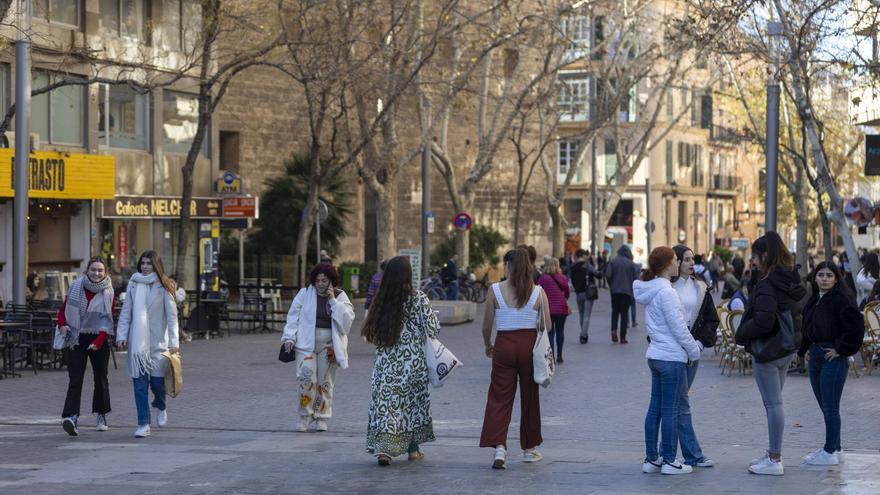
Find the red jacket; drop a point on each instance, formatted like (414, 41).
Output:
(62, 320)
(556, 287)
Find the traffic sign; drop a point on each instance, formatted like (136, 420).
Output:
(463, 221)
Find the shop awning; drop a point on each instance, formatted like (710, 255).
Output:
(58, 175)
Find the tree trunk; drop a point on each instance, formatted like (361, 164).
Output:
(517, 209)
(802, 214)
(463, 238)
(306, 223)
(386, 221)
(557, 229)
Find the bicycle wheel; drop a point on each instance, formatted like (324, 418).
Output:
(480, 295)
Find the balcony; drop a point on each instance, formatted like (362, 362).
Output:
(722, 134)
(725, 184)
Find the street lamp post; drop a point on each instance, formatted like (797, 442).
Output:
(774, 31)
(22, 149)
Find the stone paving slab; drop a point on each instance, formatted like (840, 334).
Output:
(231, 431)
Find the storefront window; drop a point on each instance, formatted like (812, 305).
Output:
(124, 120)
(181, 24)
(60, 11)
(180, 114)
(123, 18)
(57, 116)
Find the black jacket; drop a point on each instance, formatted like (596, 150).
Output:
(833, 319)
(580, 274)
(779, 291)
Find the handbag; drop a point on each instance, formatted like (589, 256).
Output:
(440, 360)
(705, 329)
(784, 341)
(173, 374)
(59, 342)
(592, 292)
(286, 356)
(542, 355)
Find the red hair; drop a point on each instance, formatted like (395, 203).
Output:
(660, 258)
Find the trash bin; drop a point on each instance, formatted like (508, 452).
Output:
(351, 277)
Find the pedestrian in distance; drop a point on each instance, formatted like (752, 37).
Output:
(515, 307)
(86, 320)
(601, 264)
(374, 286)
(400, 406)
(701, 270)
(584, 276)
(867, 277)
(771, 301)
(833, 330)
(148, 328)
(555, 286)
(621, 272)
(449, 277)
(317, 327)
(632, 304)
(691, 292)
(670, 351)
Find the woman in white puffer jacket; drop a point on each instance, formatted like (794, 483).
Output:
(670, 351)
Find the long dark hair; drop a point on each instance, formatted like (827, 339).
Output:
(871, 265)
(385, 318)
(839, 281)
(680, 250)
(771, 245)
(519, 274)
(159, 268)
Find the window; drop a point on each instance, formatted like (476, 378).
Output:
(610, 160)
(576, 30)
(694, 109)
(599, 37)
(573, 101)
(58, 11)
(706, 111)
(720, 216)
(682, 218)
(4, 85)
(670, 175)
(124, 117)
(511, 61)
(180, 117)
(123, 18)
(230, 150)
(711, 167)
(58, 116)
(670, 104)
(181, 24)
(628, 106)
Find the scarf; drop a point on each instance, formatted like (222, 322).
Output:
(87, 317)
(139, 360)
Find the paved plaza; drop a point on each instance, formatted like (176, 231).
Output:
(232, 430)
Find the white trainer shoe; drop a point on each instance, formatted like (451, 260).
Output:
(813, 454)
(500, 461)
(759, 460)
(532, 455)
(705, 462)
(143, 431)
(769, 467)
(303, 425)
(101, 424)
(651, 467)
(320, 425)
(162, 418)
(673, 468)
(823, 458)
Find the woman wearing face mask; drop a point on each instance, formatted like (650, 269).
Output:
(833, 330)
(691, 291)
(86, 320)
(317, 327)
(147, 328)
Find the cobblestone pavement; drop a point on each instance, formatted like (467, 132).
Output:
(232, 430)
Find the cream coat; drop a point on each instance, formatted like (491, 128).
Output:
(300, 326)
(162, 318)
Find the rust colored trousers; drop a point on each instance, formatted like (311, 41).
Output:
(512, 362)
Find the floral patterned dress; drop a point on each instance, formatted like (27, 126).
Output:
(400, 409)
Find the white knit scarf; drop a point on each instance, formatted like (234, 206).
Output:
(139, 360)
(87, 317)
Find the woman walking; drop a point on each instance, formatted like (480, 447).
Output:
(147, 328)
(86, 320)
(515, 307)
(867, 277)
(317, 327)
(833, 331)
(555, 285)
(400, 406)
(776, 293)
(670, 351)
(691, 291)
(583, 278)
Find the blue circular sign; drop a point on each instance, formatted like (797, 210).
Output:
(462, 221)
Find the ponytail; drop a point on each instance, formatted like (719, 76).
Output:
(659, 259)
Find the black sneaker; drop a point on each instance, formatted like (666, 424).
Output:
(585, 339)
(69, 425)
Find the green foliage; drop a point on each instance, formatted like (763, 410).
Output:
(484, 245)
(726, 254)
(281, 209)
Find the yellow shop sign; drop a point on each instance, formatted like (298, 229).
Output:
(58, 175)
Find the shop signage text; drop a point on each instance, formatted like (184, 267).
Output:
(240, 207)
(228, 183)
(56, 175)
(159, 207)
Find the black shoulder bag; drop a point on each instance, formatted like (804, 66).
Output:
(705, 329)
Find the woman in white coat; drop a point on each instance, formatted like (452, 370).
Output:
(317, 327)
(147, 328)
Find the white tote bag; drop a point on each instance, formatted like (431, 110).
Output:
(441, 361)
(59, 342)
(542, 355)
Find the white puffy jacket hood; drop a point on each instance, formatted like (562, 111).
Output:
(665, 321)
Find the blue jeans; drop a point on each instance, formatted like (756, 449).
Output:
(667, 380)
(827, 379)
(687, 438)
(141, 399)
(452, 291)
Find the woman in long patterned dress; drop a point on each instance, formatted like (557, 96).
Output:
(400, 409)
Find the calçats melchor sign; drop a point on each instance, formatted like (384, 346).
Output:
(160, 207)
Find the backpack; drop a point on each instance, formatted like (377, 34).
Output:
(705, 329)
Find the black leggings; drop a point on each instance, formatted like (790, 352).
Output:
(620, 307)
(77, 359)
(557, 333)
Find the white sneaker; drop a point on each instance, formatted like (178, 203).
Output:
(673, 468)
(142, 431)
(320, 425)
(303, 425)
(102, 423)
(162, 418)
(532, 455)
(705, 462)
(651, 467)
(813, 454)
(500, 461)
(768, 466)
(69, 425)
(823, 458)
(759, 460)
